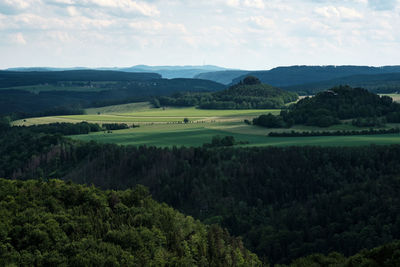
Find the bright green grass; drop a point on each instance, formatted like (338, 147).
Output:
(142, 113)
(195, 134)
(123, 108)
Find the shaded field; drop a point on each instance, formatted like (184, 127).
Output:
(165, 135)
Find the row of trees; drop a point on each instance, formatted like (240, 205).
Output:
(334, 133)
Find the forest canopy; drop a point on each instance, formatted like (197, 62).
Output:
(339, 103)
(249, 93)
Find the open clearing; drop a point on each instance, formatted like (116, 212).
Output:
(165, 127)
(142, 113)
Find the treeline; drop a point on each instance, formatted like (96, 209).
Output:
(340, 103)
(247, 94)
(63, 224)
(285, 202)
(333, 133)
(63, 128)
(223, 141)
(66, 128)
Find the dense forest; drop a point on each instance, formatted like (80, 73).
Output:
(330, 107)
(247, 94)
(309, 80)
(377, 83)
(286, 203)
(98, 88)
(297, 75)
(24, 78)
(63, 224)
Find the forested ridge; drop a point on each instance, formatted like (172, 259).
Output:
(96, 88)
(286, 203)
(249, 93)
(62, 224)
(332, 106)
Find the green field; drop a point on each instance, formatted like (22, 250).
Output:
(195, 134)
(142, 113)
(165, 127)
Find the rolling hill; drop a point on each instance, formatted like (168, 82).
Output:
(168, 72)
(247, 94)
(318, 78)
(35, 92)
(379, 83)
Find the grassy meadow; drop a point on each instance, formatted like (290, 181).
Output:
(165, 127)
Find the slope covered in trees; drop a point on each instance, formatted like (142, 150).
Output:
(295, 75)
(111, 88)
(307, 80)
(24, 78)
(378, 83)
(339, 103)
(247, 94)
(285, 202)
(62, 224)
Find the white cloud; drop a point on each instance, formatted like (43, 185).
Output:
(340, 12)
(236, 33)
(261, 22)
(15, 6)
(17, 38)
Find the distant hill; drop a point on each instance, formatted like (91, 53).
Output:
(87, 88)
(341, 103)
(295, 75)
(378, 83)
(168, 72)
(24, 78)
(297, 78)
(247, 94)
(224, 77)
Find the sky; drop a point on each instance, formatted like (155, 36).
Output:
(243, 34)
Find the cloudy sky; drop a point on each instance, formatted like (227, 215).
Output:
(247, 34)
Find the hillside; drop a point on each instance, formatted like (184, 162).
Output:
(168, 72)
(66, 92)
(378, 83)
(282, 205)
(247, 94)
(295, 75)
(310, 79)
(341, 103)
(24, 78)
(224, 77)
(62, 224)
